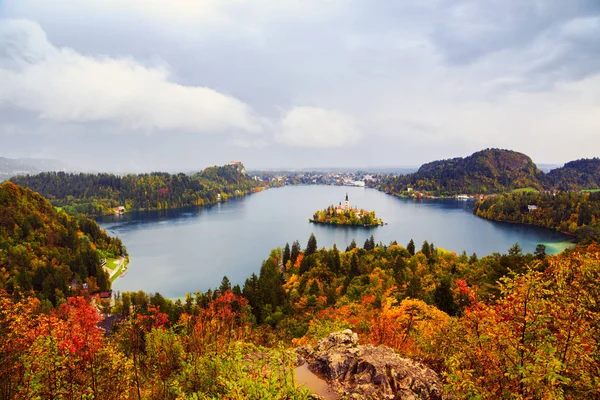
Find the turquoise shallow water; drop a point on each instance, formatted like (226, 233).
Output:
(185, 250)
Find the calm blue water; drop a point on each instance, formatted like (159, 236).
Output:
(182, 251)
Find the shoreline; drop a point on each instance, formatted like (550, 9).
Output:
(312, 221)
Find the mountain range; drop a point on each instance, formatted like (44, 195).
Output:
(10, 167)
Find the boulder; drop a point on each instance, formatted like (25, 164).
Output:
(369, 372)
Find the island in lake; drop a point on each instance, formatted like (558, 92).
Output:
(346, 215)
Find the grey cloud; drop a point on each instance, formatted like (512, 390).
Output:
(420, 80)
(472, 29)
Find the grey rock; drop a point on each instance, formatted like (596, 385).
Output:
(369, 372)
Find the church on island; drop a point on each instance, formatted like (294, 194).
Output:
(346, 207)
(344, 214)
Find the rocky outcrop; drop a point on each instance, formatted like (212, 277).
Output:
(369, 372)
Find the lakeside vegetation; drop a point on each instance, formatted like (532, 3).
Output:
(99, 194)
(48, 253)
(351, 217)
(577, 214)
(518, 324)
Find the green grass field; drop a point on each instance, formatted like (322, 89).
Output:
(558, 247)
(111, 263)
(590, 191)
(121, 269)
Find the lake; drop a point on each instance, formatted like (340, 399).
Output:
(179, 251)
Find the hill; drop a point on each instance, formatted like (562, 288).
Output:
(486, 171)
(576, 175)
(10, 167)
(97, 194)
(43, 250)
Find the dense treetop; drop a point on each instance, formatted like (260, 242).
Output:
(525, 326)
(569, 212)
(43, 250)
(493, 171)
(97, 194)
(576, 175)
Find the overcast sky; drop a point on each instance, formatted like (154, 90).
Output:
(134, 85)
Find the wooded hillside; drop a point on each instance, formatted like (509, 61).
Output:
(42, 250)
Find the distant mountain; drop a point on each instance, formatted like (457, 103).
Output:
(486, 171)
(576, 175)
(545, 168)
(10, 167)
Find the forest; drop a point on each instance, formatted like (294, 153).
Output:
(501, 326)
(47, 253)
(492, 171)
(576, 214)
(514, 325)
(98, 194)
(576, 175)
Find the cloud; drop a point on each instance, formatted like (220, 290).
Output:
(469, 30)
(62, 85)
(317, 127)
(250, 143)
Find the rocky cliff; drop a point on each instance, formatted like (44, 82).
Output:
(369, 372)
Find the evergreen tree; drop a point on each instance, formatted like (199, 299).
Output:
(515, 250)
(411, 247)
(352, 245)
(314, 288)
(414, 289)
(251, 293)
(331, 295)
(286, 254)
(311, 246)
(473, 259)
(443, 297)
(369, 243)
(354, 269)
(336, 262)
(425, 249)
(540, 252)
(305, 265)
(225, 285)
(270, 286)
(295, 252)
